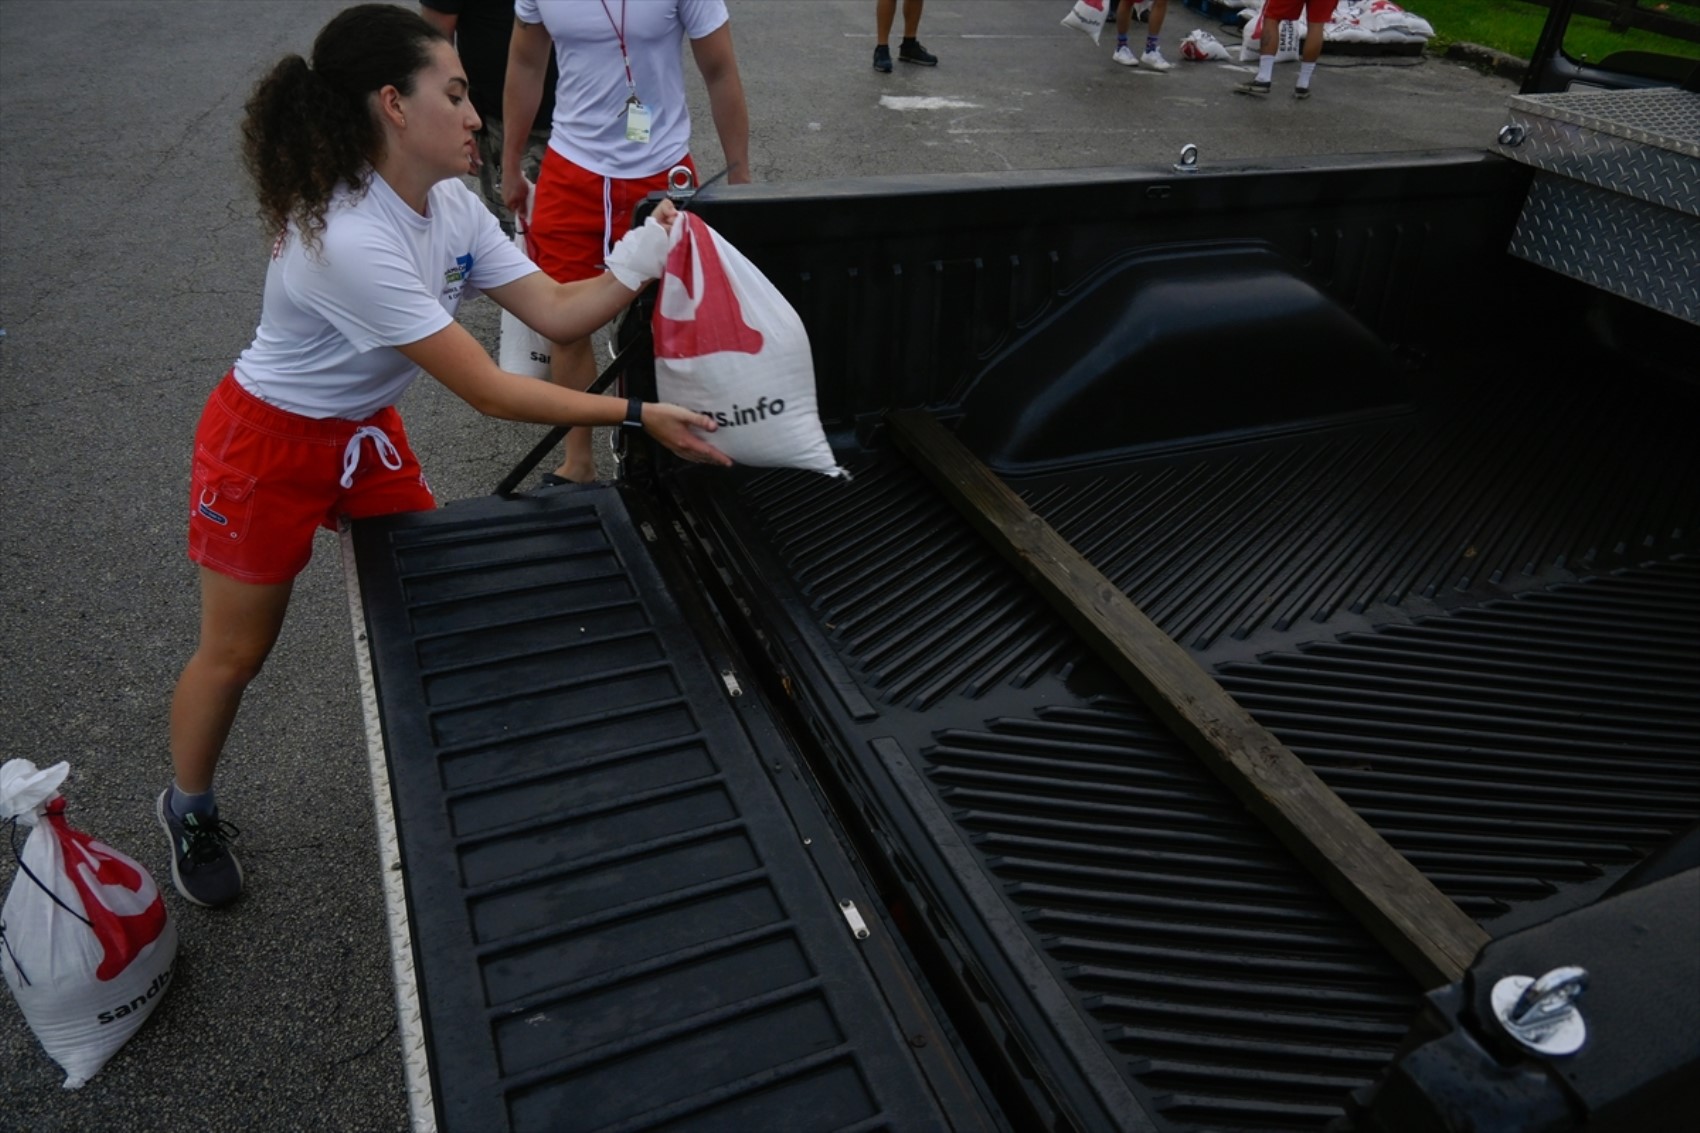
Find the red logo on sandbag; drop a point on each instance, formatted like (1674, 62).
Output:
(120, 900)
(714, 321)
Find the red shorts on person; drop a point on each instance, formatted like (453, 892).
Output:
(266, 479)
(576, 210)
(1314, 10)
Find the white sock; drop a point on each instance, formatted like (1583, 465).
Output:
(1266, 68)
(1306, 70)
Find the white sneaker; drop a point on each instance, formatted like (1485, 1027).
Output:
(1125, 56)
(1154, 59)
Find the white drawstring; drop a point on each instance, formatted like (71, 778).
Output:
(607, 218)
(380, 443)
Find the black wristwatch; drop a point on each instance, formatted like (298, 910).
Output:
(634, 414)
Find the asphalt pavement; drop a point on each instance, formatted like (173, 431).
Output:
(131, 264)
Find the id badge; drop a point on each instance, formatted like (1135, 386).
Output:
(637, 121)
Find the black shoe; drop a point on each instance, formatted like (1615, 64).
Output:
(1301, 92)
(1253, 86)
(882, 59)
(202, 865)
(911, 51)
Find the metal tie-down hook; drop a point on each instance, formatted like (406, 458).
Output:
(1541, 1014)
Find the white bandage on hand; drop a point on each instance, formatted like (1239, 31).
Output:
(640, 255)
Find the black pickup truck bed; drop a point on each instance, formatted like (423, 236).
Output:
(1495, 671)
(1434, 526)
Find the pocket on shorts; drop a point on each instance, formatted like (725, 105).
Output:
(221, 499)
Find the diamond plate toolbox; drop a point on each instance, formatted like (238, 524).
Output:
(1616, 196)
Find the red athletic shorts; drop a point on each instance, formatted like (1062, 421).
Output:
(266, 479)
(575, 209)
(1314, 10)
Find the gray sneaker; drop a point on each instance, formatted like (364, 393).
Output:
(1254, 87)
(205, 870)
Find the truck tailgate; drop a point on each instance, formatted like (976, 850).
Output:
(622, 907)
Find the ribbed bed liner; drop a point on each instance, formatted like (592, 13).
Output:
(624, 904)
(1479, 622)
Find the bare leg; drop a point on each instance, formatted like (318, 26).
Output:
(239, 625)
(1124, 17)
(1159, 9)
(884, 12)
(911, 18)
(1313, 42)
(573, 364)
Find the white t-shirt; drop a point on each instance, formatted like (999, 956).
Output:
(384, 277)
(590, 100)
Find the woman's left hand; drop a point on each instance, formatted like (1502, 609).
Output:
(677, 428)
(665, 213)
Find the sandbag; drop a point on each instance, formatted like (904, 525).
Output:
(727, 344)
(522, 350)
(1200, 46)
(1376, 21)
(87, 947)
(1289, 38)
(1086, 16)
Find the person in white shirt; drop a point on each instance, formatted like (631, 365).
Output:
(357, 159)
(621, 123)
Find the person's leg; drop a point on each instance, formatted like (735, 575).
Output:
(910, 50)
(573, 365)
(1153, 55)
(240, 622)
(884, 12)
(577, 215)
(1124, 53)
(1308, 55)
(239, 625)
(253, 509)
(571, 218)
(1266, 50)
(1312, 49)
(1265, 77)
(262, 479)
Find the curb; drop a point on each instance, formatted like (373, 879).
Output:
(1498, 62)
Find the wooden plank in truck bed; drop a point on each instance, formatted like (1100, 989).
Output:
(1419, 925)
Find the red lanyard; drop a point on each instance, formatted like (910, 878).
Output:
(620, 34)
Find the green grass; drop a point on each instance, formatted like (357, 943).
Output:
(1512, 26)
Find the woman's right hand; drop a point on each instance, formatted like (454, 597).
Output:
(677, 428)
(516, 190)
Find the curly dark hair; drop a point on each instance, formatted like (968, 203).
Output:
(309, 128)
